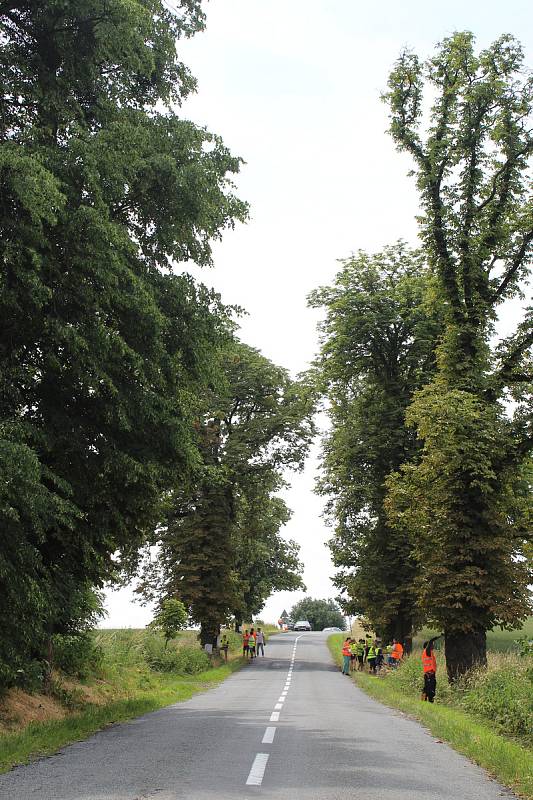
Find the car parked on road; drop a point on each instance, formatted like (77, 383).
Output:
(331, 630)
(302, 625)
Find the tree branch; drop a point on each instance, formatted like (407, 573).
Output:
(512, 359)
(514, 267)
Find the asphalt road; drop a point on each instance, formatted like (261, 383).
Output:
(287, 727)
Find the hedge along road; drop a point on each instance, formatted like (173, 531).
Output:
(287, 726)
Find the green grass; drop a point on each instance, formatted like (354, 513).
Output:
(125, 687)
(480, 739)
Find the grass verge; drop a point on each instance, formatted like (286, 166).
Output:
(43, 738)
(506, 760)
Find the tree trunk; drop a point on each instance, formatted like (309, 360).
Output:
(464, 651)
(403, 632)
(209, 633)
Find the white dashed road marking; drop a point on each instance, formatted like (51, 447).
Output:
(255, 778)
(268, 738)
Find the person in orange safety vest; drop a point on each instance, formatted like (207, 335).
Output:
(429, 665)
(396, 652)
(245, 644)
(346, 656)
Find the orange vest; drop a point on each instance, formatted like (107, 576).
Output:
(245, 638)
(429, 663)
(346, 649)
(397, 651)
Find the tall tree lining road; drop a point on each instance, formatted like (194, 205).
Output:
(287, 726)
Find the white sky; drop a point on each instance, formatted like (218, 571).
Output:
(293, 87)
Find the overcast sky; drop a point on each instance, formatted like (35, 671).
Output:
(293, 87)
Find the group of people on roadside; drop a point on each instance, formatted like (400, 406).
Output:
(355, 654)
(253, 643)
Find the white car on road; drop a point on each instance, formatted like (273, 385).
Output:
(302, 625)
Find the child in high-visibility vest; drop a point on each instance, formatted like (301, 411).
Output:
(371, 657)
(224, 645)
(251, 643)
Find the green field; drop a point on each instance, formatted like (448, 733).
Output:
(497, 640)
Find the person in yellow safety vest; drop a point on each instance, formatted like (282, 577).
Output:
(346, 654)
(353, 654)
(360, 650)
(371, 657)
(251, 643)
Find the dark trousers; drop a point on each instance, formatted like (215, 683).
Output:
(260, 646)
(430, 686)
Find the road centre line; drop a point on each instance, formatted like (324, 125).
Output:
(255, 778)
(274, 717)
(268, 738)
(278, 706)
(281, 699)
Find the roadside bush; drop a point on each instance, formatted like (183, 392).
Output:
(182, 660)
(122, 647)
(158, 657)
(31, 677)
(501, 694)
(193, 660)
(78, 655)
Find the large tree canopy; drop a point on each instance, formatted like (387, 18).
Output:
(473, 169)
(102, 349)
(220, 552)
(377, 347)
